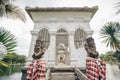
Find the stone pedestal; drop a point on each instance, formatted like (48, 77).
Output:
(24, 71)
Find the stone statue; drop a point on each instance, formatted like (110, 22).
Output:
(90, 48)
(61, 53)
(37, 68)
(39, 49)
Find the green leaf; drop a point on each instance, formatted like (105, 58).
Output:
(4, 64)
(8, 39)
(110, 35)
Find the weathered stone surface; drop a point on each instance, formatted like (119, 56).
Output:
(69, 20)
(62, 76)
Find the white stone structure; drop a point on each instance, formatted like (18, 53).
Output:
(62, 25)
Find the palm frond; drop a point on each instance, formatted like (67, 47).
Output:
(8, 39)
(118, 11)
(11, 11)
(1, 71)
(110, 33)
(117, 3)
(117, 6)
(4, 64)
(15, 12)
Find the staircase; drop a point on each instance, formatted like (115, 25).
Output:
(66, 74)
(62, 74)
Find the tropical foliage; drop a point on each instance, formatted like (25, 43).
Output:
(110, 32)
(117, 55)
(13, 58)
(108, 57)
(111, 35)
(3, 64)
(11, 11)
(11, 69)
(8, 39)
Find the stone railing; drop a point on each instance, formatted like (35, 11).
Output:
(80, 75)
(48, 74)
(76, 72)
(24, 71)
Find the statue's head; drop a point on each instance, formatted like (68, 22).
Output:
(90, 42)
(39, 46)
(61, 46)
(90, 48)
(39, 49)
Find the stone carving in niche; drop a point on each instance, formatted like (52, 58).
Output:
(91, 48)
(61, 53)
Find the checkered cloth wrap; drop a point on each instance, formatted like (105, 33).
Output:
(36, 70)
(95, 69)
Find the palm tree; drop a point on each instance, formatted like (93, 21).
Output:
(110, 33)
(8, 39)
(118, 6)
(11, 11)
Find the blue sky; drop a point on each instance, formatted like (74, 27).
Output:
(105, 13)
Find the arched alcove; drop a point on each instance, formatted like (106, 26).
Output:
(45, 36)
(79, 38)
(62, 38)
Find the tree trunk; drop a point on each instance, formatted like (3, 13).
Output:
(117, 47)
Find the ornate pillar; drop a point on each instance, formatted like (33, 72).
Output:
(34, 38)
(52, 50)
(73, 59)
(71, 42)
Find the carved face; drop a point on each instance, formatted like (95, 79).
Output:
(61, 46)
(39, 46)
(90, 48)
(90, 42)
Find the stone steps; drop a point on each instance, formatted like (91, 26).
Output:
(65, 73)
(62, 76)
(62, 73)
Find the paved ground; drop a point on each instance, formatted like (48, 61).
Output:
(113, 73)
(15, 76)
